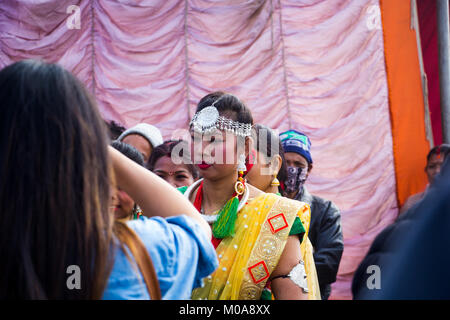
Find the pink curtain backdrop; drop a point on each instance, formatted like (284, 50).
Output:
(316, 66)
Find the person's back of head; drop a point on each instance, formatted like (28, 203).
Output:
(268, 142)
(54, 185)
(129, 151)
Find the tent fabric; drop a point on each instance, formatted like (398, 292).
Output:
(406, 99)
(429, 40)
(316, 66)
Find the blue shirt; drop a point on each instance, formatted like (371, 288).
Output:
(181, 254)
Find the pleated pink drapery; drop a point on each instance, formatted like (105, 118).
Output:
(315, 66)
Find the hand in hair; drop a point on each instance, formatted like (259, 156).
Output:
(154, 195)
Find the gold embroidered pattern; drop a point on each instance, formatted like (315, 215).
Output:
(259, 272)
(254, 245)
(269, 245)
(277, 223)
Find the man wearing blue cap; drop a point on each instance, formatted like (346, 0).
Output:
(325, 232)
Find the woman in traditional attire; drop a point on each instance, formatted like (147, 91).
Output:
(257, 235)
(267, 172)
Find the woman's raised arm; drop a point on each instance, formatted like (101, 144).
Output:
(154, 195)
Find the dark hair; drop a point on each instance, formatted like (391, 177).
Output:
(54, 185)
(115, 129)
(129, 151)
(227, 105)
(443, 148)
(270, 152)
(165, 150)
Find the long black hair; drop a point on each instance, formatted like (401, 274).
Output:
(54, 185)
(129, 151)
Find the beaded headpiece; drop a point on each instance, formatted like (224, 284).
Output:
(208, 120)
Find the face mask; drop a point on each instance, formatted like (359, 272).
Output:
(296, 178)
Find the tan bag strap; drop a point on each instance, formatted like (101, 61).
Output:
(129, 238)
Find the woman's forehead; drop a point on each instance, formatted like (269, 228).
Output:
(217, 133)
(166, 164)
(436, 158)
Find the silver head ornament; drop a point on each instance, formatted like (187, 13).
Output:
(208, 120)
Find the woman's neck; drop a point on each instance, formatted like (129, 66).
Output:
(217, 193)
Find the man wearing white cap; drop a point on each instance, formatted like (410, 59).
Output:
(143, 137)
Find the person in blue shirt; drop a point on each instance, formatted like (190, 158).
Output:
(164, 239)
(58, 237)
(181, 256)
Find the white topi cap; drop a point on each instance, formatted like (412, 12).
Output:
(149, 132)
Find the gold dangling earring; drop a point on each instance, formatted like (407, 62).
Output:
(275, 182)
(239, 186)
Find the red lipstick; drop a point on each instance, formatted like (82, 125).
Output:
(204, 165)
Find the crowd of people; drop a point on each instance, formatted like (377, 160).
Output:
(322, 246)
(224, 215)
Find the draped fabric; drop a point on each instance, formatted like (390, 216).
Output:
(312, 65)
(429, 39)
(405, 97)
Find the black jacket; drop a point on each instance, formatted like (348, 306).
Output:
(412, 254)
(325, 234)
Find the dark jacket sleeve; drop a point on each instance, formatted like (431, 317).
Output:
(374, 256)
(326, 238)
(412, 253)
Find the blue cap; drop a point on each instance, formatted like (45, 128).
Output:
(294, 141)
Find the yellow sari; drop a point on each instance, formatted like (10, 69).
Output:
(247, 259)
(306, 249)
